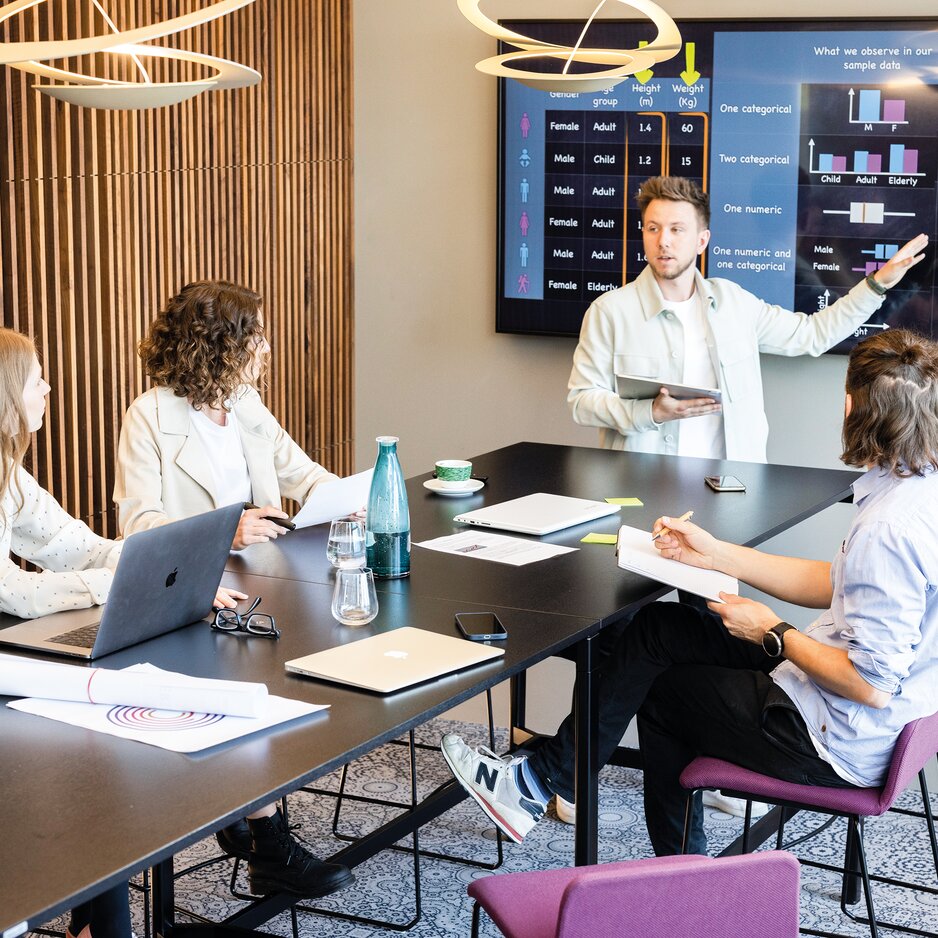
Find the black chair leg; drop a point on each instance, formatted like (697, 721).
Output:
(929, 817)
(688, 819)
(476, 909)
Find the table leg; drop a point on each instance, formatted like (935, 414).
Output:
(163, 897)
(587, 755)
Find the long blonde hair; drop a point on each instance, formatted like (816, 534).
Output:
(17, 354)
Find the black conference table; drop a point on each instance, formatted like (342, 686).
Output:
(83, 811)
(586, 583)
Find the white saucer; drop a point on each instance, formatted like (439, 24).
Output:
(435, 485)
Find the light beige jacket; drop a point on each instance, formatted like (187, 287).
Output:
(632, 331)
(76, 566)
(164, 472)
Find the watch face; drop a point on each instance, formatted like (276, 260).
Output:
(771, 644)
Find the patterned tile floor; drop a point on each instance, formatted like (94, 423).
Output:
(897, 846)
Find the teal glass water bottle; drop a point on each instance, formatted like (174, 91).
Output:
(387, 527)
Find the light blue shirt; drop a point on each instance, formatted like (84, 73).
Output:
(885, 613)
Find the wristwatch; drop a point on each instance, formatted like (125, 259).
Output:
(875, 285)
(773, 641)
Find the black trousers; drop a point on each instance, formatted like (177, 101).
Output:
(108, 914)
(696, 691)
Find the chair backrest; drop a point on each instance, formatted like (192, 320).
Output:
(674, 897)
(916, 744)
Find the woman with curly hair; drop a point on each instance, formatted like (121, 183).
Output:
(201, 438)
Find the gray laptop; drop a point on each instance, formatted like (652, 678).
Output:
(394, 660)
(539, 513)
(166, 578)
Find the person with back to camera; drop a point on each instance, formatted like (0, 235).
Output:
(672, 324)
(201, 438)
(823, 706)
(76, 567)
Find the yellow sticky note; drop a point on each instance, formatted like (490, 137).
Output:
(598, 539)
(628, 502)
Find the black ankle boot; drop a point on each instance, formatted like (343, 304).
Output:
(279, 863)
(235, 839)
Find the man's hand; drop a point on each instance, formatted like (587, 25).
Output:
(255, 528)
(744, 618)
(226, 598)
(666, 408)
(907, 256)
(687, 542)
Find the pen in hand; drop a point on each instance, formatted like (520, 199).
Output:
(281, 522)
(685, 517)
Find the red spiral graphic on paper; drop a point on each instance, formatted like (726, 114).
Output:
(154, 720)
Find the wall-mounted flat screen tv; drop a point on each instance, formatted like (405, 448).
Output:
(817, 142)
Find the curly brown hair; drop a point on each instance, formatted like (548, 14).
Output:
(892, 379)
(202, 342)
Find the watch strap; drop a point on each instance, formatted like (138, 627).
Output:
(875, 285)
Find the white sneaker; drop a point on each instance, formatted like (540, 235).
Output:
(496, 784)
(566, 810)
(734, 806)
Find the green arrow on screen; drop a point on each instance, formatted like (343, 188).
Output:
(646, 73)
(690, 74)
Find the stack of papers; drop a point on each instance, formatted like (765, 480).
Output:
(636, 552)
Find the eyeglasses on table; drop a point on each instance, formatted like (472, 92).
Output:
(254, 623)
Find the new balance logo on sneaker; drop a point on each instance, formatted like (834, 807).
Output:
(486, 776)
(497, 785)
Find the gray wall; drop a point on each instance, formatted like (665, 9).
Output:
(429, 366)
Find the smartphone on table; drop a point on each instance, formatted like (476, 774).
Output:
(480, 626)
(725, 483)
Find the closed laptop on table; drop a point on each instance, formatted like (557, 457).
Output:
(394, 660)
(540, 513)
(165, 578)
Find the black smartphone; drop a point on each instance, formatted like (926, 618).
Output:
(725, 483)
(480, 626)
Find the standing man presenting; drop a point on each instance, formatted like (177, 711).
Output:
(671, 324)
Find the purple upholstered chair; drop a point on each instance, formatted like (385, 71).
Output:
(666, 897)
(917, 743)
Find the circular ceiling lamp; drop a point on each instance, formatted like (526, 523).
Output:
(112, 94)
(619, 63)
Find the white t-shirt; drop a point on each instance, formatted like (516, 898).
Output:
(700, 436)
(226, 457)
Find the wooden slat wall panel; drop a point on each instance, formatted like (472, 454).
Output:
(103, 215)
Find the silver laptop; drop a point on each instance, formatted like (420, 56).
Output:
(166, 578)
(394, 660)
(633, 387)
(538, 514)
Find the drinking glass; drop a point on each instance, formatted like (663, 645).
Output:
(346, 546)
(354, 599)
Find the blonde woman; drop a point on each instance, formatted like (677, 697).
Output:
(75, 565)
(201, 438)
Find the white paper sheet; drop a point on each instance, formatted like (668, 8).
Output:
(334, 499)
(637, 553)
(496, 547)
(177, 730)
(52, 680)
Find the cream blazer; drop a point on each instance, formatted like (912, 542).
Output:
(76, 566)
(164, 472)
